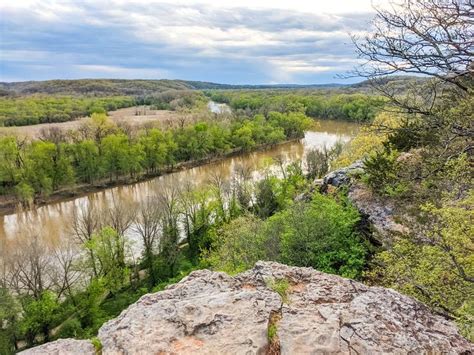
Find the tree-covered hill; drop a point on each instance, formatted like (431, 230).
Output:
(108, 87)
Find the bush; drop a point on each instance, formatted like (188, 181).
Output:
(321, 234)
(382, 173)
(71, 328)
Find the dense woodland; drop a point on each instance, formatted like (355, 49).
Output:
(417, 155)
(30, 110)
(325, 105)
(44, 109)
(119, 87)
(36, 109)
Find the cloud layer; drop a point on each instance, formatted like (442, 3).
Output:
(246, 42)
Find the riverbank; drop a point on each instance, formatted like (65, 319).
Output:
(9, 204)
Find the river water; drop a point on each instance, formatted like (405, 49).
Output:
(52, 222)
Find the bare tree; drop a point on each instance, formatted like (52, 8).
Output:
(433, 39)
(86, 221)
(429, 37)
(53, 134)
(29, 265)
(222, 194)
(148, 224)
(120, 215)
(241, 185)
(66, 274)
(168, 199)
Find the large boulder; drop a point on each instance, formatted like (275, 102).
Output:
(273, 309)
(208, 312)
(343, 176)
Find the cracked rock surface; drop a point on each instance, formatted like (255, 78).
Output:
(213, 313)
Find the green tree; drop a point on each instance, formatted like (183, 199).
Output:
(119, 157)
(436, 262)
(109, 255)
(321, 234)
(39, 316)
(47, 167)
(155, 150)
(266, 203)
(9, 311)
(9, 163)
(238, 245)
(86, 160)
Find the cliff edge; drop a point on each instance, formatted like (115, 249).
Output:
(272, 309)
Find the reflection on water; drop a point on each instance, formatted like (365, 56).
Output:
(53, 220)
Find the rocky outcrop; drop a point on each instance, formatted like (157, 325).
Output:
(343, 176)
(63, 347)
(275, 308)
(208, 312)
(378, 211)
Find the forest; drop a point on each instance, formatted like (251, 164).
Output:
(30, 110)
(36, 109)
(44, 109)
(355, 107)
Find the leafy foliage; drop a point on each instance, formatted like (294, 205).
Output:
(21, 111)
(436, 266)
(320, 233)
(351, 107)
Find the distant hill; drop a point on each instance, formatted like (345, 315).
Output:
(106, 87)
(109, 87)
(95, 87)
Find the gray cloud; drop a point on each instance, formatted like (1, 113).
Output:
(196, 42)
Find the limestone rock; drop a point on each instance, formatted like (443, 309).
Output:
(379, 212)
(213, 313)
(343, 176)
(63, 347)
(207, 312)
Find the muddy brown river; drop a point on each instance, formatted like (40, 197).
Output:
(53, 221)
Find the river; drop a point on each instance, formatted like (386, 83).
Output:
(52, 222)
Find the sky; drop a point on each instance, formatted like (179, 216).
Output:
(223, 41)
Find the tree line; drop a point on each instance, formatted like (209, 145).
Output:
(22, 111)
(350, 107)
(100, 150)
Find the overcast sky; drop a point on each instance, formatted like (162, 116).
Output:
(236, 42)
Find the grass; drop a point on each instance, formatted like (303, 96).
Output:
(281, 287)
(97, 345)
(272, 332)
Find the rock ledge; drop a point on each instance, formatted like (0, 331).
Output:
(213, 313)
